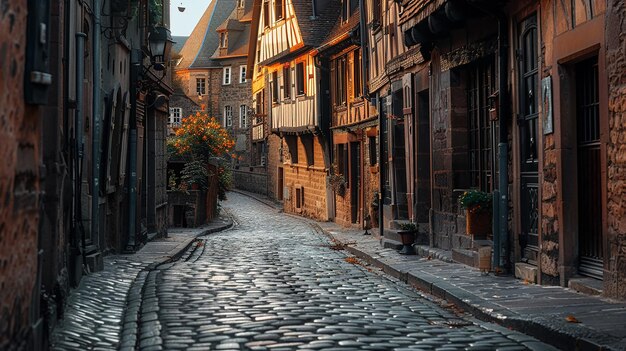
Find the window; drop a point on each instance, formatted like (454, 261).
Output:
(340, 81)
(175, 116)
(223, 39)
(299, 198)
(345, 10)
(480, 85)
(243, 116)
(372, 150)
(341, 156)
(242, 4)
(279, 9)
(201, 86)
(242, 74)
(286, 82)
(226, 80)
(228, 116)
(376, 14)
(301, 90)
(274, 87)
(266, 13)
(358, 88)
(260, 105)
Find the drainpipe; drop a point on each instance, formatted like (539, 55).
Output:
(381, 169)
(95, 170)
(501, 240)
(135, 69)
(78, 134)
(364, 57)
(503, 147)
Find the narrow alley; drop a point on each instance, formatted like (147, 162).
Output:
(272, 282)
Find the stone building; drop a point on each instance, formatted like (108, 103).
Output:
(524, 101)
(354, 172)
(212, 71)
(72, 191)
(20, 180)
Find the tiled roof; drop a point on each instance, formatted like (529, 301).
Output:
(341, 29)
(179, 41)
(417, 10)
(201, 44)
(315, 29)
(238, 33)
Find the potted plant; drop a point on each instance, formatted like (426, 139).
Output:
(407, 236)
(477, 205)
(337, 181)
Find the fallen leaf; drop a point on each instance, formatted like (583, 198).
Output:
(430, 257)
(572, 319)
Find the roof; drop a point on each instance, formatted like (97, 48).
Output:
(342, 30)
(237, 25)
(315, 29)
(201, 44)
(179, 41)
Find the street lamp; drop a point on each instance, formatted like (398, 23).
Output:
(160, 45)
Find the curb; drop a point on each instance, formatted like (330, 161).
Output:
(480, 308)
(134, 299)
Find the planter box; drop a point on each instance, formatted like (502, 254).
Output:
(478, 223)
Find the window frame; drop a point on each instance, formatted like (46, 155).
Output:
(223, 39)
(275, 90)
(286, 82)
(243, 116)
(279, 4)
(300, 78)
(266, 13)
(225, 75)
(172, 117)
(242, 74)
(228, 116)
(200, 89)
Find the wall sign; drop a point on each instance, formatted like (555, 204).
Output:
(546, 104)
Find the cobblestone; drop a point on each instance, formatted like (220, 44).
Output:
(272, 283)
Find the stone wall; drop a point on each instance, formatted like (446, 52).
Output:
(273, 162)
(254, 182)
(312, 181)
(615, 277)
(19, 182)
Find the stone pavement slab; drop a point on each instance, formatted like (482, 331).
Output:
(102, 313)
(540, 311)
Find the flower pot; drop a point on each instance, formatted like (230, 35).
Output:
(477, 222)
(407, 238)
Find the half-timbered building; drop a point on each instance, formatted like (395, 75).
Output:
(354, 171)
(287, 33)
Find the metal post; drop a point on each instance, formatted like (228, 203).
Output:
(95, 137)
(132, 191)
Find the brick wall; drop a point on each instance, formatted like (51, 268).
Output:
(311, 179)
(19, 181)
(615, 278)
(273, 162)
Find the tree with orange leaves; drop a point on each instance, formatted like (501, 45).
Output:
(198, 139)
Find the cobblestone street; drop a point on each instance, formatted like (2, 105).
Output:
(273, 282)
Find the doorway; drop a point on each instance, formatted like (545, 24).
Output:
(528, 70)
(590, 247)
(355, 181)
(280, 184)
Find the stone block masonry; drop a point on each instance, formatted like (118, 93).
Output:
(615, 277)
(250, 181)
(19, 182)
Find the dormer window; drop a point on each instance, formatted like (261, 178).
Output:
(279, 10)
(241, 4)
(223, 39)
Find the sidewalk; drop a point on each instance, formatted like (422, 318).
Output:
(102, 313)
(539, 311)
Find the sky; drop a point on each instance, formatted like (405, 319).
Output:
(182, 23)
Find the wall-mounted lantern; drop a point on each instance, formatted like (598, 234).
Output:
(160, 44)
(494, 106)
